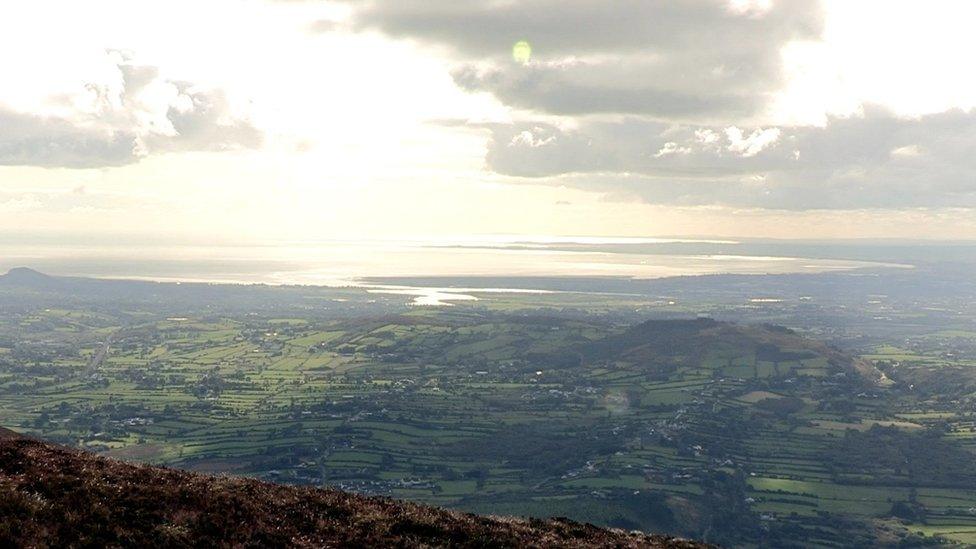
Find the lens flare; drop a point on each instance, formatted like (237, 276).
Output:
(522, 52)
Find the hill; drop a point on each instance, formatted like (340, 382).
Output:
(25, 276)
(656, 342)
(55, 496)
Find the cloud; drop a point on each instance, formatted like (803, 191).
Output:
(877, 160)
(671, 148)
(201, 121)
(695, 59)
(582, 88)
(120, 123)
(667, 101)
(527, 138)
(19, 204)
(752, 145)
(53, 142)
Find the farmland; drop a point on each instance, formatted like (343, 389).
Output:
(740, 433)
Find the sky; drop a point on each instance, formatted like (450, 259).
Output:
(298, 120)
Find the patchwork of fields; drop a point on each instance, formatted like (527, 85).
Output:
(685, 426)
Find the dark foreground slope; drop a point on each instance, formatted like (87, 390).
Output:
(54, 496)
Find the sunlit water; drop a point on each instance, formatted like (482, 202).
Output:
(347, 263)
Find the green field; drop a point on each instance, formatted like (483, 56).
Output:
(683, 427)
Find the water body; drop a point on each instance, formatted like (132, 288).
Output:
(349, 263)
(432, 296)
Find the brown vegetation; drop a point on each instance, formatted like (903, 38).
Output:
(55, 496)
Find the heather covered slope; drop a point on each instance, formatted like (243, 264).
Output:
(54, 496)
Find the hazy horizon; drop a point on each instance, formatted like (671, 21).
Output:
(344, 262)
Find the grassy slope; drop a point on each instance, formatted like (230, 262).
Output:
(54, 496)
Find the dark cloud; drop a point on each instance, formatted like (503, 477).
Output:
(875, 160)
(573, 27)
(661, 97)
(579, 89)
(682, 60)
(122, 129)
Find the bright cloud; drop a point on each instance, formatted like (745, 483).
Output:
(122, 120)
(752, 144)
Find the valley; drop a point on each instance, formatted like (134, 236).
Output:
(731, 432)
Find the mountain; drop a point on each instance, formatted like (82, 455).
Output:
(27, 278)
(55, 496)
